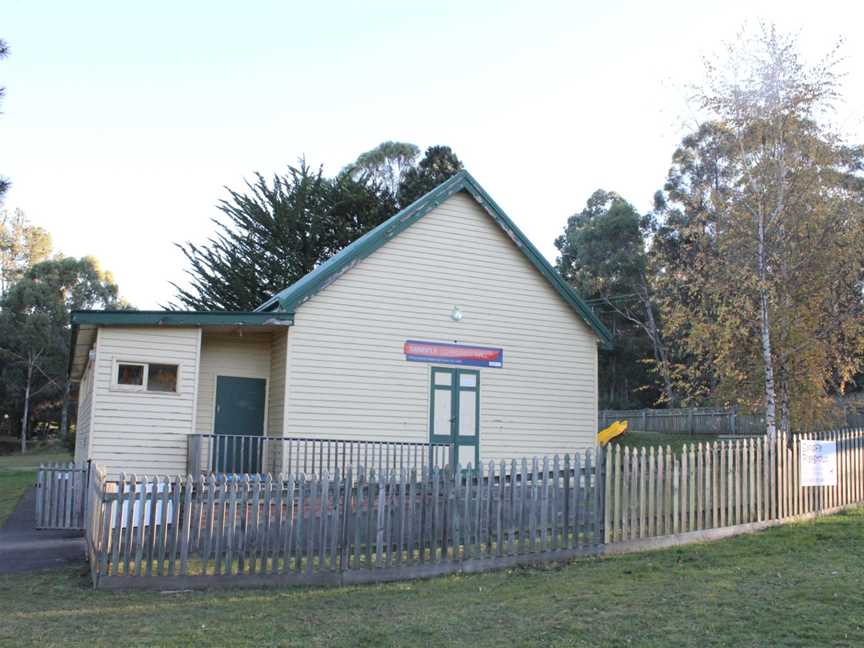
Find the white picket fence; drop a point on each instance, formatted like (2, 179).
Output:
(706, 488)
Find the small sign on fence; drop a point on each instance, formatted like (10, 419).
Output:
(143, 516)
(818, 463)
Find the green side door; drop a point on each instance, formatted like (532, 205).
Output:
(454, 413)
(239, 413)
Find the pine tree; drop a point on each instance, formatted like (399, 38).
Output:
(275, 232)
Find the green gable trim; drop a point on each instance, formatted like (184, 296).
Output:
(180, 318)
(291, 298)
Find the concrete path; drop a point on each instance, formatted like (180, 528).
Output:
(24, 549)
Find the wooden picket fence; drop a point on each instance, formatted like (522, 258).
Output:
(60, 495)
(250, 530)
(653, 492)
(94, 522)
(691, 421)
(365, 526)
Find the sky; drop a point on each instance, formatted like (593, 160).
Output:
(124, 122)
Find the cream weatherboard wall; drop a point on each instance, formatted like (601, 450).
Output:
(347, 375)
(276, 399)
(276, 386)
(85, 410)
(229, 354)
(138, 431)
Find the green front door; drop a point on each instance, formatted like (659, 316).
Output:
(454, 415)
(239, 415)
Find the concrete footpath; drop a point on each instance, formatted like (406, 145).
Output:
(24, 549)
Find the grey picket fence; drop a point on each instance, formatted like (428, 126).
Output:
(692, 421)
(365, 526)
(60, 495)
(161, 532)
(227, 453)
(653, 492)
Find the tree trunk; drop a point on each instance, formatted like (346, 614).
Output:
(785, 419)
(765, 334)
(660, 355)
(26, 408)
(64, 411)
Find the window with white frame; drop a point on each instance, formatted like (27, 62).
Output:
(146, 376)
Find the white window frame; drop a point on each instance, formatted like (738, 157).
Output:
(142, 388)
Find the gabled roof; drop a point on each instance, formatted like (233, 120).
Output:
(304, 288)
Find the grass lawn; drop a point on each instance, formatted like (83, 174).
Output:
(18, 473)
(631, 439)
(798, 585)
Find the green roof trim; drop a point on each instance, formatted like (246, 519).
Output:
(180, 318)
(303, 289)
(91, 318)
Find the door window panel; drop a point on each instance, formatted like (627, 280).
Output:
(443, 379)
(468, 414)
(467, 380)
(466, 455)
(443, 412)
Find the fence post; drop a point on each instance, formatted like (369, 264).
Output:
(599, 496)
(193, 456)
(607, 495)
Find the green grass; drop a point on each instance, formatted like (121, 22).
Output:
(18, 473)
(798, 585)
(632, 439)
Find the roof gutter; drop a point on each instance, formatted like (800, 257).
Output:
(180, 318)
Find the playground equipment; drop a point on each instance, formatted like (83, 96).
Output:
(616, 429)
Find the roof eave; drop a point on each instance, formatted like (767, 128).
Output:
(180, 318)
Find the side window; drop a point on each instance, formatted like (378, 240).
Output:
(130, 375)
(162, 378)
(143, 376)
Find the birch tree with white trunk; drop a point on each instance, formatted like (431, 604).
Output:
(769, 211)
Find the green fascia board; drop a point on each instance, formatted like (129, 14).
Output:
(303, 289)
(180, 318)
(170, 318)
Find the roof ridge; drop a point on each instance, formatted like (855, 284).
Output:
(318, 279)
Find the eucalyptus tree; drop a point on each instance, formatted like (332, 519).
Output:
(4, 52)
(34, 331)
(386, 164)
(22, 245)
(603, 254)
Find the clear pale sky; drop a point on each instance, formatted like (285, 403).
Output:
(124, 121)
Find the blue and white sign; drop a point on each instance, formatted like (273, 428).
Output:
(818, 463)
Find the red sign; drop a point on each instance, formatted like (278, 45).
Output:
(461, 354)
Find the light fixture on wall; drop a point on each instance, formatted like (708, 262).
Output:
(456, 314)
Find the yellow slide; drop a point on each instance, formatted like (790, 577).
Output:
(616, 429)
